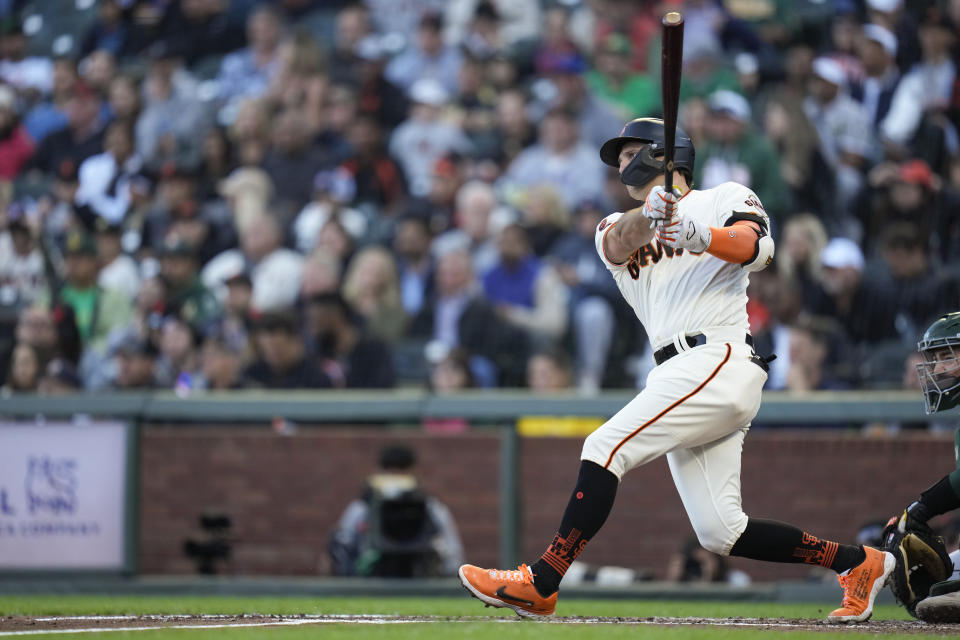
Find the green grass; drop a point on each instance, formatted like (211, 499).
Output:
(509, 627)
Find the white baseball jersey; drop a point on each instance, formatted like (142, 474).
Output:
(673, 290)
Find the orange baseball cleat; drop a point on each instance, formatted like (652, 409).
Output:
(511, 589)
(861, 586)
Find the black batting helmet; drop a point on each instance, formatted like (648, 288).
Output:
(645, 166)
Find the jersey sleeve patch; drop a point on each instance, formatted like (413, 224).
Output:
(602, 230)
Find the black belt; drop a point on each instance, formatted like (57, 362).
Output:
(664, 354)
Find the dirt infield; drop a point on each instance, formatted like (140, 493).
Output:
(17, 625)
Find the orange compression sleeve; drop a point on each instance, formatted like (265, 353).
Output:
(736, 243)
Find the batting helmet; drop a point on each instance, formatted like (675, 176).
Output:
(645, 166)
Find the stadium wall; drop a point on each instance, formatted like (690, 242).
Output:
(285, 493)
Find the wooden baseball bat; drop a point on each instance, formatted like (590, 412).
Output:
(672, 60)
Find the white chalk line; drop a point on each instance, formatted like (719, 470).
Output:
(376, 619)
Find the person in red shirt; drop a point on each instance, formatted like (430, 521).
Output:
(16, 147)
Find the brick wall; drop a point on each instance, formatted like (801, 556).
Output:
(285, 493)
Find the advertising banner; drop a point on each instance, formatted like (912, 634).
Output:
(63, 496)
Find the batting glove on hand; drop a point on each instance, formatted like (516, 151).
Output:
(660, 205)
(684, 232)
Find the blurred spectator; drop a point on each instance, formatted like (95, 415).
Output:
(25, 370)
(283, 361)
(200, 28)
(526, 292)
(514, 130)
(222, 363)
(459, 316)
(321, 274)
(81, 138)
(186, 293)
(99, 69)
(372, 289)
(593, 295)
(353, 357)
(123, 99)
(250, 131)
(36, 327)
(135, 362)
(488, 26)
(735, 152)
(376, 96)
(173, 121)
(705, 71)
(891, 15)
(16, 147)
(31, 76)
(274, 270)
(216, 162)
(843, 126)
(118, 271)
(59, 378)
(810, 347)
(395, 528)
(549, 371)
(247, 72)
(452, 373)
(865, 311)
(474, 106)
(179, 363)
(596, 122)
(248, 192)
(411, 246)
(300, 82)
(545, 216)
(905, 192)
(351, 29)
(336, 242)
(109, 31)
(923, 291)
(379, 181)
(798, 259)
(333, 190)
(877, 49)
(22, 270)
(915, 121)
(97, 310)
(475, 226)
(438, 207)
(561, 158)
(49, 115)
(425, 137)
(293, 162)
(615, 81)
(425, 58)
(111, 183)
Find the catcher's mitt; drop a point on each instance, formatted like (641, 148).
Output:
(922, 559)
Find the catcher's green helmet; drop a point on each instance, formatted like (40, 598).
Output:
(940, 370)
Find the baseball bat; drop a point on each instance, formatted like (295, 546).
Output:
(672, 60)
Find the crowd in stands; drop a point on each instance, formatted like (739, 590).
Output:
(218, 194)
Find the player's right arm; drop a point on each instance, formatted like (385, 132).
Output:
(627, 234)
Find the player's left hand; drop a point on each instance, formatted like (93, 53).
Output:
(684, 232)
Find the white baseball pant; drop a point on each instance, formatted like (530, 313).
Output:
(696, 408)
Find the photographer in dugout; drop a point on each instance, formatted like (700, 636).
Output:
(925, 580)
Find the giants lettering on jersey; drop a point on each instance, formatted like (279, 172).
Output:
(647, 254)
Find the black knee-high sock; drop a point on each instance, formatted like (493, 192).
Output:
(586, 512)
(778, 542)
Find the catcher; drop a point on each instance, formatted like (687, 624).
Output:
(921, 581)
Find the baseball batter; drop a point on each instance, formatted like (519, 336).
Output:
(682, 261)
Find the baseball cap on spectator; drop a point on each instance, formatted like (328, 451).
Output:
(829, 70)
(429, 91)
(884, 6)
(730, 103)
(840, 253)
(337, 183)
(917, 172)
(561, 63)
(884, 37)
(80, 243)
(177, 247)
